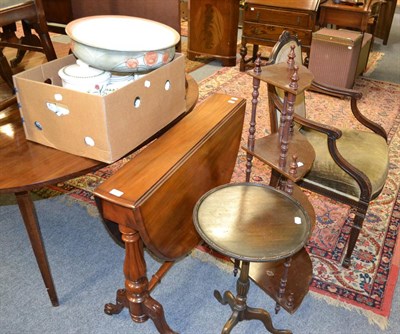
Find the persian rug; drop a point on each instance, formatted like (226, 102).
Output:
(368, 285)
(373, 59)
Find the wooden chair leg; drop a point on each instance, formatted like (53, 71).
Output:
(47, 46)
(29, 39)
(46, 42)
(5, 70)
(354, 233)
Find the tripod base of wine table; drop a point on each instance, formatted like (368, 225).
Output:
(240, 309)
(251, 222)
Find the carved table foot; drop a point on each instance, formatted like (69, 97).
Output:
(155, 311)
(232, 322)
(151, 309)
(262, 315)
(228, 298)
(244, 312)
(136, 295)
(121, 302)
(240, 310)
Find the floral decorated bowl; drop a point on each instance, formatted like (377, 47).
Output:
(122, 43)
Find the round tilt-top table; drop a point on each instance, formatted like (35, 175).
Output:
(251, 222)
(26, 166)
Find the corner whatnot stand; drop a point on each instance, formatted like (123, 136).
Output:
(264, 225)
(275, 150)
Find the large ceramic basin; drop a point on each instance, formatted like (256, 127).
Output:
(122, 43)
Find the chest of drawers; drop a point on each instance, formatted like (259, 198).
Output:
(265, 20)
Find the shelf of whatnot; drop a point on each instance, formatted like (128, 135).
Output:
(289, 154)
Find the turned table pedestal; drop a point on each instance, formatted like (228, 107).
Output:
(149, 201)
(251, 222)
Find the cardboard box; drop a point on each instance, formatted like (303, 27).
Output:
(103, 128)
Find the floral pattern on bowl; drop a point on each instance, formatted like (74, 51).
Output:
(101, 41)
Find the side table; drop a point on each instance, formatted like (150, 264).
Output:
(354, 17)
(150, 200)
(265, 20)
(26, 166)
(251, 222)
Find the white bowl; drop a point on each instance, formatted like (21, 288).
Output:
(122, 43)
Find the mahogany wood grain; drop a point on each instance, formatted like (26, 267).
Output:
(267, 276)
(252, 222)
(26, 165)
(8, 101)
(267, 149)
(58, 11)
(265, 20)
(213, 29)
(179, 163)
(300, 272)
(151, 198)
(302, 5)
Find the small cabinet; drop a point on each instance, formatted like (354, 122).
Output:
(265, 20)
(213, 30)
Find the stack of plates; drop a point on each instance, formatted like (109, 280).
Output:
(117, 81)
